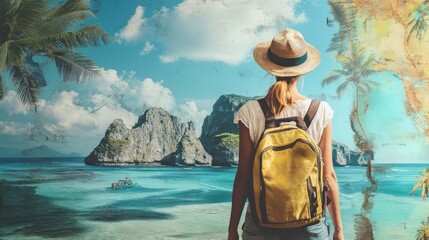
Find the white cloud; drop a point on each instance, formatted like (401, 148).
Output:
(14, 128)
(189, 112)
(148, 48)
(109, 82)
(91, 111)
(12, 105)
(226, 30)
(168, 58)
(65, 111)
(133, 30)
(148, 93)
(129, 92)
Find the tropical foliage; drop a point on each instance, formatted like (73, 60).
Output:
(423, 231)
(111, 146)
(226, 141)
(35, 29)
(355, 73)
(344, 13)
(418, 20)
(423, 183)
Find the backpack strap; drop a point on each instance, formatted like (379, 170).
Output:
(268, 113)
(271, 121)
(311, 112)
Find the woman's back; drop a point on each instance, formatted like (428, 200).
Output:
(251, 115)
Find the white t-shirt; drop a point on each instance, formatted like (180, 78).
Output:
(251, 115)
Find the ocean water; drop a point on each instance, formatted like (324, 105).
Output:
(61, 198)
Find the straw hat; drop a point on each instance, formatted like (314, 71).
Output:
(287, 55)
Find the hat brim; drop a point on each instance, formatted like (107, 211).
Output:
(261, 58)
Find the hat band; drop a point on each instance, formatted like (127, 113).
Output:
(286, 62)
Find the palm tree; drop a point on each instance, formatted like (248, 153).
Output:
(422, 183)
(418, 19)
(33, 28)
(345, 14)
(356, 70)
(423, 231)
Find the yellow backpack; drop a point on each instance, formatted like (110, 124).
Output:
(288, 189)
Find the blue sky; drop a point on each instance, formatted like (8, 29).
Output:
(181, 56)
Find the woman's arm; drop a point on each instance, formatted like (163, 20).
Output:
(241, 182)
(331, 180)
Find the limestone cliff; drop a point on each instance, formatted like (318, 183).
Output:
(342, 155)
(219, 122)
(157, 138)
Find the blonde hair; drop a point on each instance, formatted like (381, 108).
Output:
(279, 96)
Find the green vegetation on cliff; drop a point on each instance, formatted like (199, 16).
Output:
(111, 146)
(226, 141)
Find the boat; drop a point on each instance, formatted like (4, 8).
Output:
(123, 183)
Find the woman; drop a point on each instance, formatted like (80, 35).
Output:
(288, 56)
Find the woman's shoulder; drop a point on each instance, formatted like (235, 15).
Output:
(325, 107)
(249, 111)
(251, 104)
(251, 107)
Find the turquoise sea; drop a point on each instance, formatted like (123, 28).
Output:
(61, 198)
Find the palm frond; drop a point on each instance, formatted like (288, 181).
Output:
(416, 186)
(330, 79)
(422, 183)
(370, 85)
(365, 72)
(36, 27)
(26, 84)
(68, 7)
(423, 231)
(424, 191)
(3, 55)
(15, 54)
(64, 22)
(26, 17)
(68, 14)
(367, 62)
(341, 88)
(343, 72)
(344, 13)
(91, 35)
(418, 21)
(73, 66)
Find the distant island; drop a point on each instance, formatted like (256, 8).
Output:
(159, 138)
(39, 151)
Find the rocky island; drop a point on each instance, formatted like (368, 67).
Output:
(161, 139)
(157, 138)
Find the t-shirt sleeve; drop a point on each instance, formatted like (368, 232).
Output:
(328, 113)
(243, 115)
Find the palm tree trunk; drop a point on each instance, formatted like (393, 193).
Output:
(367, 151)
(357, 115)
(363, 225)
